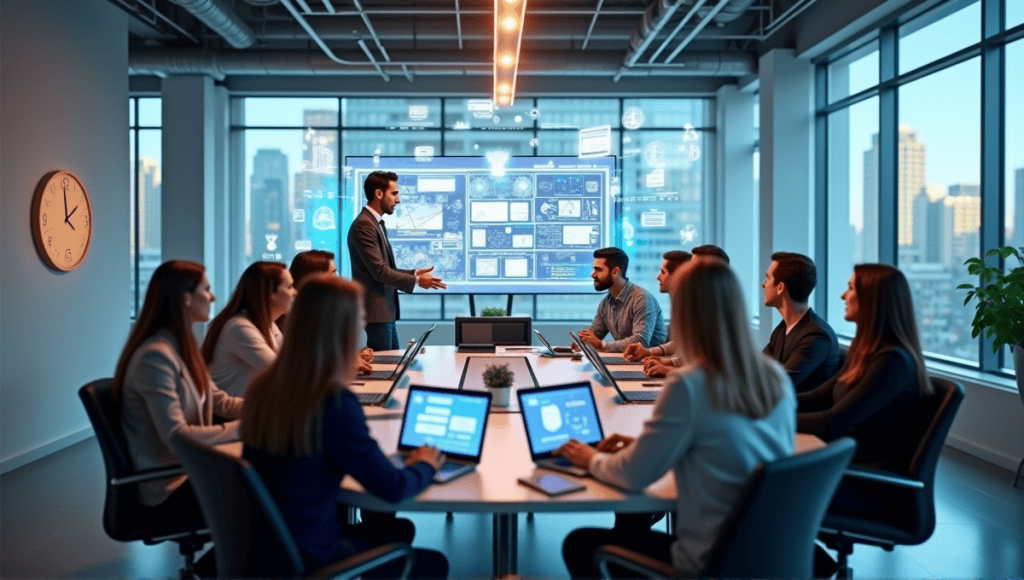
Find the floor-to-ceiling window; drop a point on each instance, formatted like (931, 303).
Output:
(286, 148)
(144, 195)
(908, 110)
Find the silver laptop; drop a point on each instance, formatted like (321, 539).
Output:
(554, 351)
(453, 421)
(397, 358)
(410, 354)
(553, 415)
(626, 396)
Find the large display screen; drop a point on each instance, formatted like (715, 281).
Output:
(519, 224)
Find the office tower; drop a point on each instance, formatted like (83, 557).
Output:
(929, 226)
(868, 246)
(1017, 238)
(911, 170)
(149, 203)
(268, 191)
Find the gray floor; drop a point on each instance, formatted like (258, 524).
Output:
(50, 527)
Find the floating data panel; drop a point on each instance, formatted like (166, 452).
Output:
(531, 228)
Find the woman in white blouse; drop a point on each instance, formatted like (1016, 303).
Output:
(243, 339)
(724, 411)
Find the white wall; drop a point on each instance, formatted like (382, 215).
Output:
(63, 105)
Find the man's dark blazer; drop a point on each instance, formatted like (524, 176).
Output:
(810, 353)
(373, 266)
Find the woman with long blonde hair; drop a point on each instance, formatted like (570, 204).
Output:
(243, 339)
(718, 416)
(304, 430)
(884, 377)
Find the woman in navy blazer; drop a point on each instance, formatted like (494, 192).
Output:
(162, 384)
(304, 431)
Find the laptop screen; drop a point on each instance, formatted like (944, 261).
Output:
(553, 415)
(453, 421)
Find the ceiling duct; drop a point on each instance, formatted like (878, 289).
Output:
(728, 13)
(218, 17)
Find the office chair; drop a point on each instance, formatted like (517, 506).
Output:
(250, 535)
(898, 508)
(770, 531)
(125, 518)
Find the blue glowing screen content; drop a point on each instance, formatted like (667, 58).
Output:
(454, 423)
(532, 223)
(553, 417)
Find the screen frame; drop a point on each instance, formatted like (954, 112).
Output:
(446, 392)
(566, 386)
(527, 338)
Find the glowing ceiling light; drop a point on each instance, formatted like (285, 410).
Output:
(503, 100)
(509, 23)
(504, 88)
(506, 59)
(509, 17)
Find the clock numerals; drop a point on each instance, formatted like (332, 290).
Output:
(44, 219)
(67, 255)
(49, 241)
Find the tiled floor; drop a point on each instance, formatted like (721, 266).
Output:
(50, 527)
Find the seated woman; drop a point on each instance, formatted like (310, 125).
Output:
(884, 376)
(162, 385)
(317, 262)
(717, 417)
(304, 431)
(243, 339)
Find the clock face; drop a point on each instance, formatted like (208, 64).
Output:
(62, 220)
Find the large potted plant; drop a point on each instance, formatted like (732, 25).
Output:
(1000, 308)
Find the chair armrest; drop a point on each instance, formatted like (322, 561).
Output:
(355, 565)
(885, 477)
(148, 475)
(632, 561)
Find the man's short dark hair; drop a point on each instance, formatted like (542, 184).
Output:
(797, 272)
(711, 250)
(614, 258)
(676, 258)
(378, 180)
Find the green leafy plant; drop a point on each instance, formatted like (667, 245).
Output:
(1000, 307)
(493, 312)
(498, 376)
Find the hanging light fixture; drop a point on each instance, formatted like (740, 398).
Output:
(508, 37)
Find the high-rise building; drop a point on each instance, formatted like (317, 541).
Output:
(868, 246)
(269, 206)
(911, 169)
(149, 204)
(1015, 237)
(929, 226)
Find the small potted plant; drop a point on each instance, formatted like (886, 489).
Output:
(498, 378)
(1000, 308)
(493, 312)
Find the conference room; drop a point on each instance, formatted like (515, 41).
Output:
(850, 132)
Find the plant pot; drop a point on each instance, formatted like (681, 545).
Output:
(500, 396)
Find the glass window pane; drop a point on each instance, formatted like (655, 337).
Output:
(455, 305)
(580, 307)
(478, 143)
(567, 143)
(662, 113)
(577, 113)
(1014, 13)
(131, 112)
(925, 39)
(939, 202)
(389, 143)
(149, 211)
(290, 112)
(475, 114)
(852, 201)
(1014, 148)
(420, 306)
(150, 112)
(132, 216)
(386, 113)
(662, 198)
(290, 200)
(854, 72)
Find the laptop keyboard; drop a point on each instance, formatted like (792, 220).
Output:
(641, 395)
(387, 358)
(618, 360)
(450, 466)
(629, 375)
(369, 397)
(377, 375)
(561, 461)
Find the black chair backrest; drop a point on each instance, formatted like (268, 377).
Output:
(121, 501)
(250, 535)
(771, 530)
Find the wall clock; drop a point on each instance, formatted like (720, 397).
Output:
(62, 220)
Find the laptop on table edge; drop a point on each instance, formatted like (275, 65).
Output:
(381, 399)
(595, 359)
(551, 350)
(410, 354)
(579, 391)
(456, 463)
(395, 358)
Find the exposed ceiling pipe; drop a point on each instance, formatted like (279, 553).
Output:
(786, 16)
(274, 62)
(593, 21)
(696, 30)
(218, 17)
(434, 27)
(373, 61)
(654, 19)
(682, 22)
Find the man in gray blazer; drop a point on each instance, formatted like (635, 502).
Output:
(373, 262)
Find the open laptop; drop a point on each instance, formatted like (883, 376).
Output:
(453, 421)
(620, 375)
(553, 415)
(551, 349)
(408, 357)
(397, 358)
(381, 399)
(626, 396)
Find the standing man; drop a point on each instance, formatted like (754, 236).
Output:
(373, 263)
(630, 313)
(803, 342)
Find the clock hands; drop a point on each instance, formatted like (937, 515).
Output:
(67, 220)
(65, 188)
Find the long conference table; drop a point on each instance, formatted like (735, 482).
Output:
(493, 486)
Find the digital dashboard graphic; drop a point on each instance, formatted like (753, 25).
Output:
(530, 227)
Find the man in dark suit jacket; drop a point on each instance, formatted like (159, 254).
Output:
(373, 262)
(803, 342)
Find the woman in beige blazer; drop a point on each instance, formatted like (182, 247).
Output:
(162, 384)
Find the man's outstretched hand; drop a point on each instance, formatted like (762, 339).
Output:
(428, 282)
